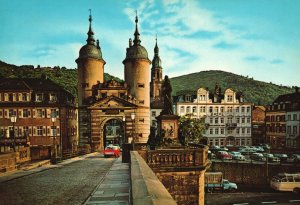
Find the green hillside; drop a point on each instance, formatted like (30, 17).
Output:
(254, 91)
(67, 78)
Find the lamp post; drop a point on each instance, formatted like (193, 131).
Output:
(124, 129)
(133, 127)
(13, 120)
(53, 120)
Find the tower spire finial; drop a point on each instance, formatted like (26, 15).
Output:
(90, 39)
(156, 47)
(136, 40)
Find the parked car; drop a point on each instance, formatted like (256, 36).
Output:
(247, 151)
(282, 157)
(294, 158)
(258, 157)
(111, 151)
(271, 157)
(223, 155)
(237, 156)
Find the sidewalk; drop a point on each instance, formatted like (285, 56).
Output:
(114, 189)
(38, 166)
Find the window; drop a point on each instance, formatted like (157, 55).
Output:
(52, 97)
(229, 109)
(216, 110)
(210, 109)
(238, 131)
(248, 109)
(141, 85)
(194, 109)
(237, 109)
(202, 98)
(243, 130)
(222, 131)
(211, 131)
(216, 131)
(237, 120)
(153, 113)
(222, 109)
(39, 97)
(248, 119)
(243, 120)
(216, 120)
(24, 97)
(39, 130)
(181, 109)
(202, 109)
(229, 98)
(10, 97)
(294, 129)
(248, 130)
(39, 113)
(243, 109)
(294, 116)
(26, 113)
(188, 98)
(188, 109)
(25, 131)
(222, 120)
(211, 120)
(12, 112)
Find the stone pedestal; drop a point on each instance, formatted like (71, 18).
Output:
(168, 126)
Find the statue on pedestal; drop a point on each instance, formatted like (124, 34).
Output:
(167, 97)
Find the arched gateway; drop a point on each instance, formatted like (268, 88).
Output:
(101, 102)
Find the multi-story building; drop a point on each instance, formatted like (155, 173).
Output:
(258, 125)
(282, 121)
(32, 102)
(227, 116)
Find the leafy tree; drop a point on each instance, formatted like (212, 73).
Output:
(191, 129)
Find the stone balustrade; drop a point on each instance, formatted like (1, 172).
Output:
(177, 157)
(146, 187)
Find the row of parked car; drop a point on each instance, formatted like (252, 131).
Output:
(252, 153)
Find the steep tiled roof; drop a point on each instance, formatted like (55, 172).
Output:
(37, 84)
(291, 97)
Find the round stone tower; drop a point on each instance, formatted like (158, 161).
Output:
(137, 76)
(90, 66)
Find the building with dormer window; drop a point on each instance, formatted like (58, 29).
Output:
(227, 116)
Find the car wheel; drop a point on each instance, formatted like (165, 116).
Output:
(296, 190)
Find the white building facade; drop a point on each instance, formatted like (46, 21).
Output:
(292, 129)
(227, 116)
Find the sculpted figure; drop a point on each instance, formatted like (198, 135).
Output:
(167, 97)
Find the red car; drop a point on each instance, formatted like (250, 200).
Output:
(223, 155)
(111, 150)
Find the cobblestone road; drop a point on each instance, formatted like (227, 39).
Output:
(67, 184)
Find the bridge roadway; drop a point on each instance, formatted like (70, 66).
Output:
(89, 179)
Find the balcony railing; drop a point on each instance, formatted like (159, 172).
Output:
(231, 125)
(177, 157)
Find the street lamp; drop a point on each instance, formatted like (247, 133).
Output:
(124, 129)
(53, 120)
(133, 127)
(13, 120)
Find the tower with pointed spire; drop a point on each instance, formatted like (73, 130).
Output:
(90, 66)
(137, 76)
(156, 76)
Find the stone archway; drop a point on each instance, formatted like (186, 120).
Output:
(112, 131)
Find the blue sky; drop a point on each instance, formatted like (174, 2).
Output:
(257, 38)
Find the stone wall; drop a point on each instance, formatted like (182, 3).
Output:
(251, 174)
(7, 162)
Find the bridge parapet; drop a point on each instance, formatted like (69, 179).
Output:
(146, 187)
(177, 158)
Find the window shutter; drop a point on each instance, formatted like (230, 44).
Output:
(34, 130)
(44, 130)
(29, 131)
(48, 131)
(20, 114)
(33, 113)
(43, 113)
(48, 113)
